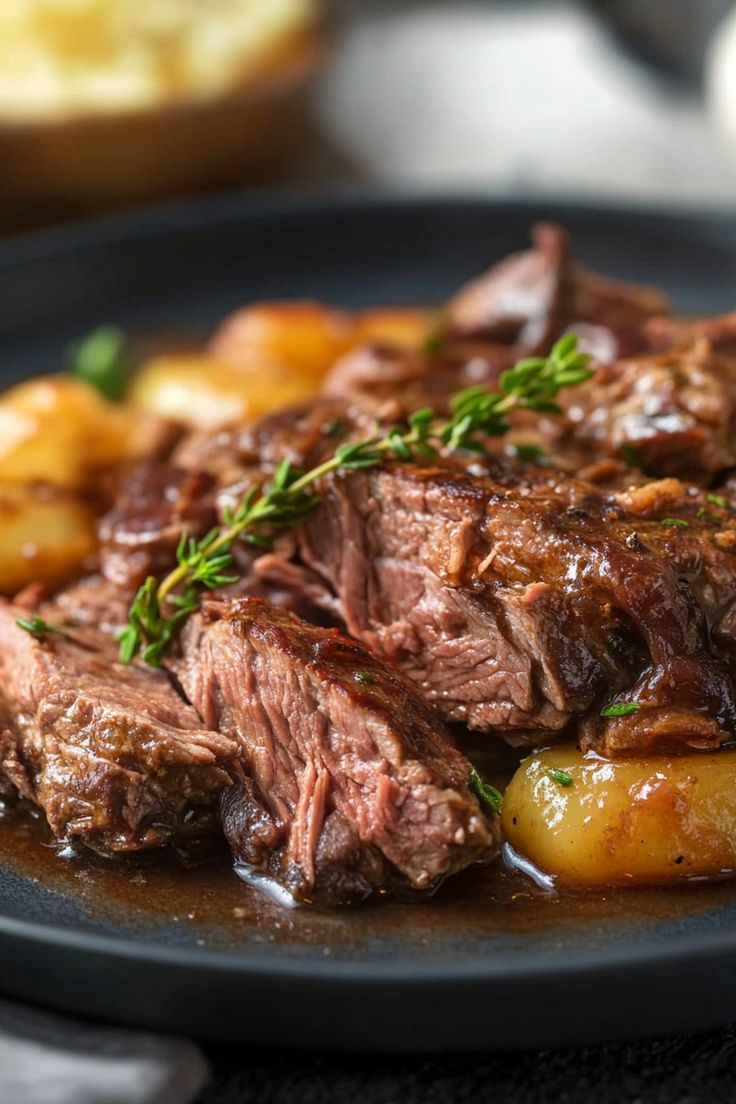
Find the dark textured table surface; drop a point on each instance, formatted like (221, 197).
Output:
(676, 1070)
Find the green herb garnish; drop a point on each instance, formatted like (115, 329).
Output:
(561, 777)
(100, 359)
(365, 678)
(488, 794)
(718, 500)
(476, 414)
(36, 626)
(632, 456)
(529, 454)
(677, 523)
(620, 709)
(433, 344)
(336, 427)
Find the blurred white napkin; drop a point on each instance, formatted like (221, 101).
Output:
(515, 98)
(50, 1059)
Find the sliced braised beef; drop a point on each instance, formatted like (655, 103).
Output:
(156, 502)
(114, 756)
(530, 298)
(673, 413)
(353, 786)
(92, 602)
(519, 606)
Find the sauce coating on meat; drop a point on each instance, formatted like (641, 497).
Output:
(573, 577)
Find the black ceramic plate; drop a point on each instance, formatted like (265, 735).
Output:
(409, 981)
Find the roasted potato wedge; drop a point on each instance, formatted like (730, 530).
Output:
(57, 430)
(406, 327)
(620, 822)
(307, 338)
(46, 534)
(301, 337)
(201, 392)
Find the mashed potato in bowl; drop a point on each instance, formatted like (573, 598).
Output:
(62, 57)
(104, 103)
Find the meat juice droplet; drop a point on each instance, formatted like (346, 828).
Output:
(514, 861)
(272, 889)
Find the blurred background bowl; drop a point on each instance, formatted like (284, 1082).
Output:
(672, 35)
(89, 161)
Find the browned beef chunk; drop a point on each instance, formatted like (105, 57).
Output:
(673, 413)
(520, 307)
(353, 785)
(671, 332)
(115, 757)
(304, 433)
(530, 298)
(519, 606)
(391, 382)
(155, 504)
(669, 413)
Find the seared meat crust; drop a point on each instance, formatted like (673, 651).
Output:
(521, 607)
(115, 757)
(671, 413)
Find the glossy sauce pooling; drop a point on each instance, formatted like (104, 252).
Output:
(210, 900)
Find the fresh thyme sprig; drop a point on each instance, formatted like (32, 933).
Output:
(476, 414)
(36, 626)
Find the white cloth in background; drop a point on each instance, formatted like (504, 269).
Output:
(532, 99)
(49, 1059)
(721, 77)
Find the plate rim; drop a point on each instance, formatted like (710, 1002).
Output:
(481, 967)
(48, 243)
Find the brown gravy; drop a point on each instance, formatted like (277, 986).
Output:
(206, 897)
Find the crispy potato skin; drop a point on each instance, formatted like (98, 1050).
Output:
(653, 821)
(46, 534)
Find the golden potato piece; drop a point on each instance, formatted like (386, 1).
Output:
(203, 393)
(307, 338)
(57, 430)
(46, 534)
(624, 822)
(406, 327)
(300, 336)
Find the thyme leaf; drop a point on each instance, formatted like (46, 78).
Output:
(562, 778)
(718, 500)
(488, 794)
(36, 626)
(620, 709)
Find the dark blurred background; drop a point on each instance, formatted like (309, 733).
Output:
(107, 104)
